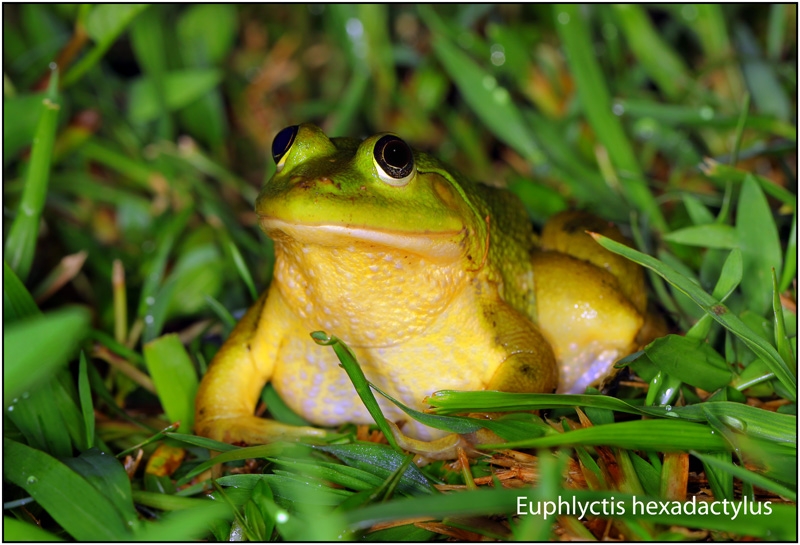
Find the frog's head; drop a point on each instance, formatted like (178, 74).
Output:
(334, 192)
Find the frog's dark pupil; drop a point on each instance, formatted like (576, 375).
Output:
(394, 156)
(283, 141)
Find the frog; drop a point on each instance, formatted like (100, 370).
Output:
(435, 282)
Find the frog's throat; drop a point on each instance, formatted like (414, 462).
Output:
(445, 246)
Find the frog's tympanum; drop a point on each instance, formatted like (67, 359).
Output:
(434, 281)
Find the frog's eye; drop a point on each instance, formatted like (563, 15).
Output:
(394, 159)
(282, 143)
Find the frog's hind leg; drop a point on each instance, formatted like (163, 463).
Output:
(588, 320)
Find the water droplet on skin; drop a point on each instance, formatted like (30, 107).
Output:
(32, 480)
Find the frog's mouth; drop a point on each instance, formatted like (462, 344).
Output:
(440, 246)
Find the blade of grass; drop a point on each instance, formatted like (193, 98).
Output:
(87, 408)
(35, 348)
(746, 475)
(490, 101)
(596, 102)
(760, 245)
(175, 378)
(661, 435)
(702, 116)
(21, 242)
(662, 64)
(714, 308)
(350, 365)
(55, 487)
(722, 174)
(790, 260)
(706, 236)
(188, 524)
(781, 339)
(104, 24)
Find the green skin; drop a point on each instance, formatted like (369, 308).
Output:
(435, 281)
(455, 217)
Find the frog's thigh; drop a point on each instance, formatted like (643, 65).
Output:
(566, 233)
(530, 365)
(585, 316)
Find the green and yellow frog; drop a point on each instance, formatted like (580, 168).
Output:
(434, 281)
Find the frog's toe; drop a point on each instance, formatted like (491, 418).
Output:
(253, 430)
(443, 448)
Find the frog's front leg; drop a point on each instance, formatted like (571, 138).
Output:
(230, 390)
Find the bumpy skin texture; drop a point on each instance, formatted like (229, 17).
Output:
(435, 284)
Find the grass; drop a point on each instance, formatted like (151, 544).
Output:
(136, 138)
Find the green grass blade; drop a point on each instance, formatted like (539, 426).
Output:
(760, 245)
(189, 524)
(175, 378)
(381, 460)
(350, 365)
(662, 64)
(490, 102)
(241, 266)
(781, 339)
(56, 488)
(722, 174)
(87, 408)
(706, 236)
(104, 23)
(714, 308)
(747, 475)
(16, 530)
(17, 300)
(661, 435)
(693, 361)
(261, 451)
(109, 478)
(762, 80)
(33, 349)
(20, 245)
(790, 260)
(596, 102)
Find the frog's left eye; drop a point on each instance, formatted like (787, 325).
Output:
(282, 144)
(394, 159)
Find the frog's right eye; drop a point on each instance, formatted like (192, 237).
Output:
(282, 144)
(394, 159)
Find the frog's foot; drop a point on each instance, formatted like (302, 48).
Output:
(253, 430)
(444, 448)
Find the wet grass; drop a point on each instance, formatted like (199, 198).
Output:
(135, 140)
